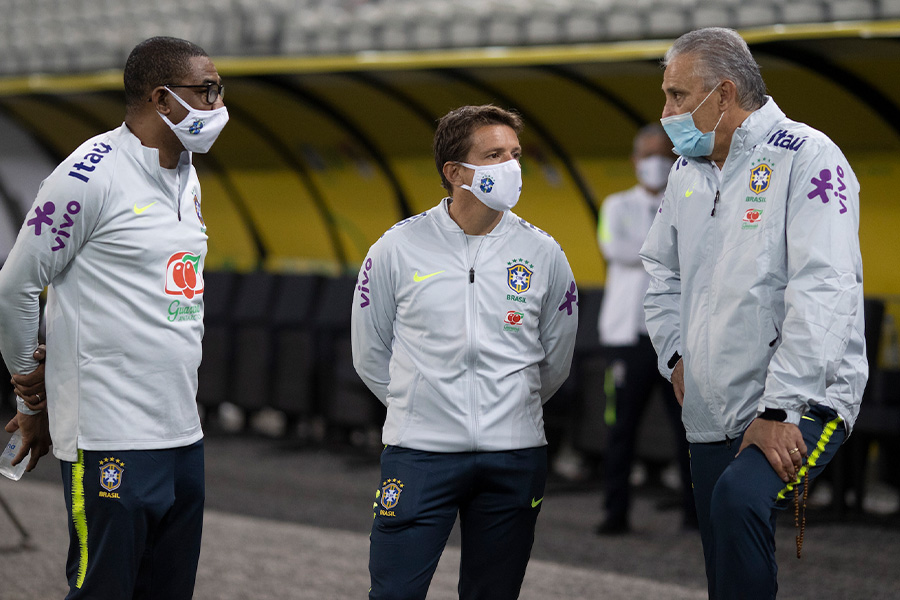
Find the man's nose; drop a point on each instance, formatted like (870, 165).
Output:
(668, 111)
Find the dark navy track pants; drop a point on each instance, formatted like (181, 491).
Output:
(736, 502)
(497, 495)
(135, 522)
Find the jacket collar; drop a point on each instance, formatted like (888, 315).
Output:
(441, 214)
(751, 132)
(148, 158)
(756, 126)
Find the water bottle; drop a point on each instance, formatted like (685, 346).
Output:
(9, 453)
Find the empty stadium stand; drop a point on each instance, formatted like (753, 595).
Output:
(59, 36)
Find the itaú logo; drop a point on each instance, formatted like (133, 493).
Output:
(183, 276)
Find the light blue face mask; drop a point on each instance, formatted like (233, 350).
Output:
(688, 140)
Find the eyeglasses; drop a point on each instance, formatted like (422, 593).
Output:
(214, 91)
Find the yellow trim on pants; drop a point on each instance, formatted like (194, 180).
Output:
(79, 517)
(814, 457)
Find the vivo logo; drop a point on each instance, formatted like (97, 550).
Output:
(362, 284)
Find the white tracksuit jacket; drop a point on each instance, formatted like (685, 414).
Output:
(757, 280)
(464, 338)
(122, 251)
(625, 219)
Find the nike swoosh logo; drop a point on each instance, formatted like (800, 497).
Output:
(688, 193)
(534, 502)
(417, 278)
(140, 211)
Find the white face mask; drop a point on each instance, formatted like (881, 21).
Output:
(200, 128)
(497, 186)
(653, 172)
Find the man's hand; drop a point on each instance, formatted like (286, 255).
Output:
(781, 443)
(678, 381)
(30, 387)
(35, 436)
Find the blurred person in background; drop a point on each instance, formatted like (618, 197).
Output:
(755, 305)
(117, 234)
(463, 325)
(625, 219)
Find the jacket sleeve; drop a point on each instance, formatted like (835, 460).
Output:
(60, 221)
(559, 323)
(662, 303)
(372, 321)
(823, 293)
(618, 240)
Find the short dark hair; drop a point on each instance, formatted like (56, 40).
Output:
(453, 138)
(157, 61)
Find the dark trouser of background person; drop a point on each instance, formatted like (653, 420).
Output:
(736, 498)
(634, 390)
(497, 495)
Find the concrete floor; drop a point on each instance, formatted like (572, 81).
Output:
(288, 521)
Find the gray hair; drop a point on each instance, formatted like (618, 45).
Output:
(722, 54)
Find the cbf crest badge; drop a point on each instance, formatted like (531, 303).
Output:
(196, 126)
(518, 275)
(487, 184)
(390, 493)
(111, 472)
(760, 176)
(199, 214)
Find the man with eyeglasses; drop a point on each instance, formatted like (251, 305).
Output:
(117, 234)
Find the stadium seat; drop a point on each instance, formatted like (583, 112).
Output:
(583, 26)
(347, 403)
(666, 22)
(293, 381)
(879, 418)
(583, 391)
(215, 368)
(253, 340)
(625, 24)
(889, 9)
(712, 15)
(803, 12)
(542, 28)
(755, 15)
(852, 10)
(430, 27)
(504, 29)
(360, 37)
(465, 31)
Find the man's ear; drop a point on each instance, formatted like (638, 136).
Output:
(727, 95)
(159, 97)
(454, 173)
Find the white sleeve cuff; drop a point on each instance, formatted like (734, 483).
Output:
(23, 408)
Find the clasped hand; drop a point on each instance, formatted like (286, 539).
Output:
(781, 443)
(35, 428)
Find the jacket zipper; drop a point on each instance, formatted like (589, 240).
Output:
(715, 202)
(472, 341)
